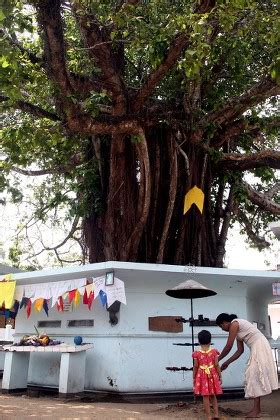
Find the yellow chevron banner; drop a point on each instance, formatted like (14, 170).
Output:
(194, 196)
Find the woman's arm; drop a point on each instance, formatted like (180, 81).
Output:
(218, 369)
(235, 356)
(233, 330)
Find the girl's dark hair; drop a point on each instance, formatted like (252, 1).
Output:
(225, 318)
(204, 337)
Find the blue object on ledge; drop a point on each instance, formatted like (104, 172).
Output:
(78, 340)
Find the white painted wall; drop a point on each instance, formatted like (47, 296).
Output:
(130, 358)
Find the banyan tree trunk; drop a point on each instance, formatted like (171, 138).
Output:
(143, 184)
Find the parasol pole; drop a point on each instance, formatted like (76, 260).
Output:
(192, 325)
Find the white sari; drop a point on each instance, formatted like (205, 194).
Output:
(261, 375)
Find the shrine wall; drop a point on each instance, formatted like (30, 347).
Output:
(128, 357)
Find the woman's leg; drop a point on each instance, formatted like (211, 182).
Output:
(206, 404)
(256, 410)
(214, 402)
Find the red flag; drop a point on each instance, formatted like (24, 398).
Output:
(72, 294)
(60, 304)
(85, 298)
(28, 308)
(90, 299)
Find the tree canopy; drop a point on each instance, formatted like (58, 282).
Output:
(121, 107)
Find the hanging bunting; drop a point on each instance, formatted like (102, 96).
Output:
(46, 307)
(38, 304)
(103, 297)
(32, 294)
(48, 290)
(194, 196)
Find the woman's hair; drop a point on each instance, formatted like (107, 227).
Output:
(204, 337)
(225, 318)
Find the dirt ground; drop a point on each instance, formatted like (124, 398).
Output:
(46, 407)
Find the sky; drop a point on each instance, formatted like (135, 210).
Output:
(241, 256)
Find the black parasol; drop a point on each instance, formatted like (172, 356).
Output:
(190, 289)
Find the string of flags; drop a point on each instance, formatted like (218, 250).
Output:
(44, 296)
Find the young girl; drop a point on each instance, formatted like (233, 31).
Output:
(207, 373)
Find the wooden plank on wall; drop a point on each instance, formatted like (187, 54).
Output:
(165, 323)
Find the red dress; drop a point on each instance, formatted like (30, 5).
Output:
(207, 381)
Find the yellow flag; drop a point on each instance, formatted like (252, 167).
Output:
(7, 292)
(38, 305)
(77, 298)
(194, 196)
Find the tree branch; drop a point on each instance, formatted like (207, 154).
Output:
(244, 125)
(224, 229)
(70, 235)
(12, 39)
(177, 47)
(75, 160)
(272, 191)
(93, 35)
(235, 107)
(243, 162)
(34, 110)
(50, 20)
(81, 84)
(261, 200)
(145, 179)
(257, 240)
(173, 177)
(28, 172)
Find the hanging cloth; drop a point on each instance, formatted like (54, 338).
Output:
(7, 292)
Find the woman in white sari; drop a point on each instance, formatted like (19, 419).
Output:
(261, 375)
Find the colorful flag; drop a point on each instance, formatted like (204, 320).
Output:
(46, 306)
(103, 297)
(77, 298)
(28, 308)
(38, 304)
(72, 294)
(90, 299)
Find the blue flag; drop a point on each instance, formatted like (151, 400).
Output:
(103, 297)
(45, 306)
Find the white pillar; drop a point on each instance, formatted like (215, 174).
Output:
(72, 373)
(15, 370)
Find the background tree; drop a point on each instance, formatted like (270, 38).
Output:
(124, 106)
